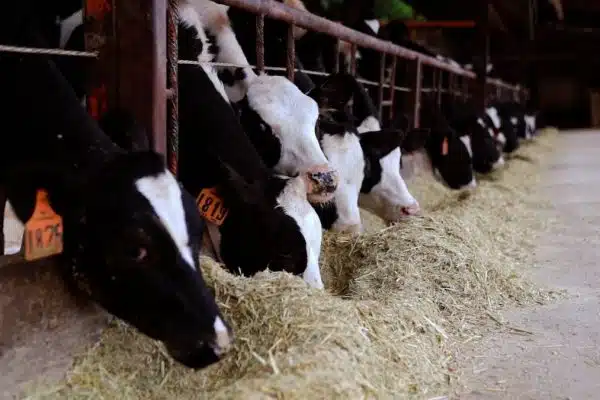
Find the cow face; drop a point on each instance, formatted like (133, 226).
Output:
(280, 121)
(451, 157)
(131, 237)
(290, 231)
(486, 154)
(383, 190)
(340, 143)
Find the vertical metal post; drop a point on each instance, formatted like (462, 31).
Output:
(173, 95)
(141, 30)
(353, 59)
(100, 36)
(336, 67)
(260, 43)
(482, 37)
(439, 89)
(291, 53)
(413, 108)
(392, 88)
(381, 82)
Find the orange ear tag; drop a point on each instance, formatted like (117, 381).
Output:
(44, 230)
(211, 206)
(445, 146)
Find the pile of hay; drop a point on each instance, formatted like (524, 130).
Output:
(400, 301)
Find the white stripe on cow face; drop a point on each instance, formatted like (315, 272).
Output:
(493, 114)
(369, 124)
(514, 120)
(292, 116)
(68, 25)
(373, 24)
(292, 200)
(530, 126)
(466, 139)
(164, 195)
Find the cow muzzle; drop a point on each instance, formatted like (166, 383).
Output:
(321, 184)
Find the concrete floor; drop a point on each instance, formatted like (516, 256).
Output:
(560, 359)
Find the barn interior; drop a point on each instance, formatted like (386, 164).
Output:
(548, 46)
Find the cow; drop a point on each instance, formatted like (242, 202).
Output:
(270, 223)
(276, 115)
(130, 231)
(486, 152)
(370, 166)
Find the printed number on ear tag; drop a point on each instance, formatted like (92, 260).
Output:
(445, 146)
(44, 230)
(211, 206)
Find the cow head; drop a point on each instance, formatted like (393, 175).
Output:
(354, 142)
(451, 158)
(487, 155)
(290, 230)
(131, 237)
(280, 121)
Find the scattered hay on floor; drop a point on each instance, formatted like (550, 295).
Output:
(400, 299)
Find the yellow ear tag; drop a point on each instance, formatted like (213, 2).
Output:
(211, 206)
(445, 146)
(44, 230)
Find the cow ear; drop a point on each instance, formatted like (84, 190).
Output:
(380, 143)
(25, 179)
(123, 129)
(415, 139)
(335, 92)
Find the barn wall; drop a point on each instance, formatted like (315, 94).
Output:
(565, 101)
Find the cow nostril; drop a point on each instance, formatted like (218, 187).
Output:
(323, 181)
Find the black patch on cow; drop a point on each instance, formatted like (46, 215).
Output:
(230, 78)
(213, 47)
(189, 44)
(259, 132)
(376, 145)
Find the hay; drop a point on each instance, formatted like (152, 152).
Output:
(404, 298)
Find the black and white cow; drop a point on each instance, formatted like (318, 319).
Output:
(486, 151)
(369, 167)
(270, 222)
(131, 233)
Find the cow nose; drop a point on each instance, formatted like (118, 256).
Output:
(471, 185)
(413, 209)
(498, 163)
(223, 337)
(321, 182)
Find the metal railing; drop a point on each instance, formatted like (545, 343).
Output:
(156, 36)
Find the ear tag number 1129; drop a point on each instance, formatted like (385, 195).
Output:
(44, 230)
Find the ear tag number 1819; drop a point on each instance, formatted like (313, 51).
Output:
(44, 230)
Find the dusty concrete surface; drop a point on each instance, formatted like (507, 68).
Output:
(560, 356)
(42, 327)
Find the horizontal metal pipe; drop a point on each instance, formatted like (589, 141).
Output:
(276, 10)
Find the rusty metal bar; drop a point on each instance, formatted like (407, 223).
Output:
(142, 64)
(173, 98)
(276, 10)
(100, 37)
(392, 88)
(260, 42)
(417, 94)
(336, 67)
(291, 53)
(353, 51)
(381, 82)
